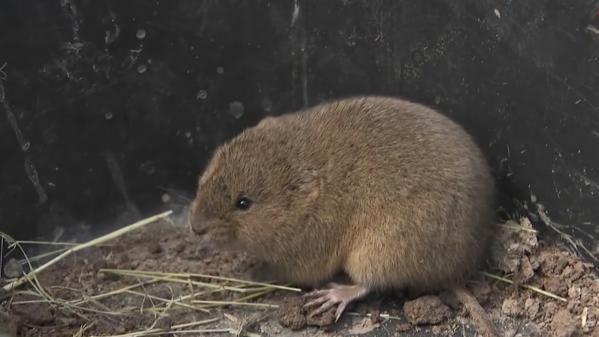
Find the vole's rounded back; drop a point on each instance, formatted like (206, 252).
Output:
(389, 191)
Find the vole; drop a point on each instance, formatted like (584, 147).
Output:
(390, 192)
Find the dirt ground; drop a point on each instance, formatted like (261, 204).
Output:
(73, 298)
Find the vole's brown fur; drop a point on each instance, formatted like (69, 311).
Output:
(389, 191)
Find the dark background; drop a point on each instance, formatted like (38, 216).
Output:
(110, 109)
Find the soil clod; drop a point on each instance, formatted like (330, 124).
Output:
(426, 310)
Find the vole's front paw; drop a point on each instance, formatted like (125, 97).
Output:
(337, 294)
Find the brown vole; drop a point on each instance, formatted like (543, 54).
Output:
(390, 192)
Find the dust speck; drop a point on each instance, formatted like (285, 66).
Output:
(141, 34)
(236, 109)
(202, 94)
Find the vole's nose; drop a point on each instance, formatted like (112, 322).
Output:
(195, 222)
(198, 227)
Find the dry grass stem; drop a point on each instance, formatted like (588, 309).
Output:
(82, 246)
(255, 295)
(165, 300)
(44, 255)
(234, 303)
(83, 329)
(112, 293)
(151, 332)
(46, 243)
(195, 275)
(197, 296)
(168, 278)
(526, 286)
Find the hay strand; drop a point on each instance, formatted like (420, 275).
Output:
(525, 286)
(172, 330)
(82, 246)
(235, 303)
(195, 275)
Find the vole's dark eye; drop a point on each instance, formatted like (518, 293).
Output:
(243, 203)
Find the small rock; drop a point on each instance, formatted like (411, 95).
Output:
(291, 313)
(526, 270)
(326, 319)
(511, 307)
(555, 285)
(529, 239)
(564, 325)
(531, 306)
(426, 310)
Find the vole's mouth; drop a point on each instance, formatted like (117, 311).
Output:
(199, 226)
(216, 238)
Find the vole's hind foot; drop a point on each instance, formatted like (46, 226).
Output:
(337, 294)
